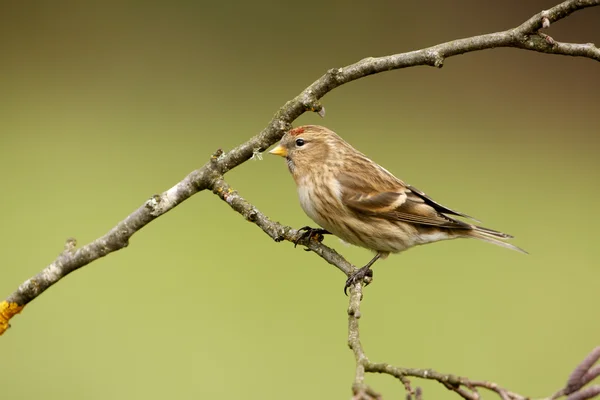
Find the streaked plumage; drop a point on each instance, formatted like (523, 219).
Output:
(362, 203)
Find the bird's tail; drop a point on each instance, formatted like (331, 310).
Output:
(495, 237)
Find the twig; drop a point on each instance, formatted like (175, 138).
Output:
(584, 373)
(464, 387)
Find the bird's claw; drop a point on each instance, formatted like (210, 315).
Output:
(307, 233)
(359, 276)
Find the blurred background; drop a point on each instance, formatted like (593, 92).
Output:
(106, 103)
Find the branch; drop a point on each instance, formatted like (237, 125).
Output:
(277, 231)
(583, 374)
(526, 36)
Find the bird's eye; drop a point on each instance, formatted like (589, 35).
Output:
(299, 142)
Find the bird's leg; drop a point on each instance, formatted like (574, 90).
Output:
(308, 232)
(361, 273)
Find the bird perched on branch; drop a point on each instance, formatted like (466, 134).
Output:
(362, 203)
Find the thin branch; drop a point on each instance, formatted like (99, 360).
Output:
(354, 338)
(275, 230)
(359, 388)
(210, 177)
(464, 387)
(584, 372)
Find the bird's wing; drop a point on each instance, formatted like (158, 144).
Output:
(389, 198)
(437, 206)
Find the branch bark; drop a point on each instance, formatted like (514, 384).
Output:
(526, 36)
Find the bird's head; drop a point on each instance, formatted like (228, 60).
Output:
(305, 146)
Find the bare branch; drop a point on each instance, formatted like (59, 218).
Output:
(464, 387)
(275, 230)
(354, 338)
(583, 373)
(588, 393)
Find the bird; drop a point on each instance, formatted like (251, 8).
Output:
(352, 197)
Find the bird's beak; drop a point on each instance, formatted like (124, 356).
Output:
(279, 151)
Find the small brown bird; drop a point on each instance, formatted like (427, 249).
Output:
(362, 203)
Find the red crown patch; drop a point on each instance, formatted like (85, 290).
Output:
(297, 131)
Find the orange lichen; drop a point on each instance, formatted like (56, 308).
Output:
(7, 311)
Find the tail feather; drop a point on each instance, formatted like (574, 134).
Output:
(491, 232)
(494, 237)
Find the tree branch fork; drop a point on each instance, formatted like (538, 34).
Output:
(526, 36)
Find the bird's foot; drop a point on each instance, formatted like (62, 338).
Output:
(364, 274)
(306, 232)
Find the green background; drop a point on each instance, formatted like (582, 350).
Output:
(104, 104)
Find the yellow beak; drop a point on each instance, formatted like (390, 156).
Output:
(279, 151)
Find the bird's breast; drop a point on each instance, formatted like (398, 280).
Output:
(320, 200)
(306, 196)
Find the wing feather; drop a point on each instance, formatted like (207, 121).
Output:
(439, 207)
(392, 199)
